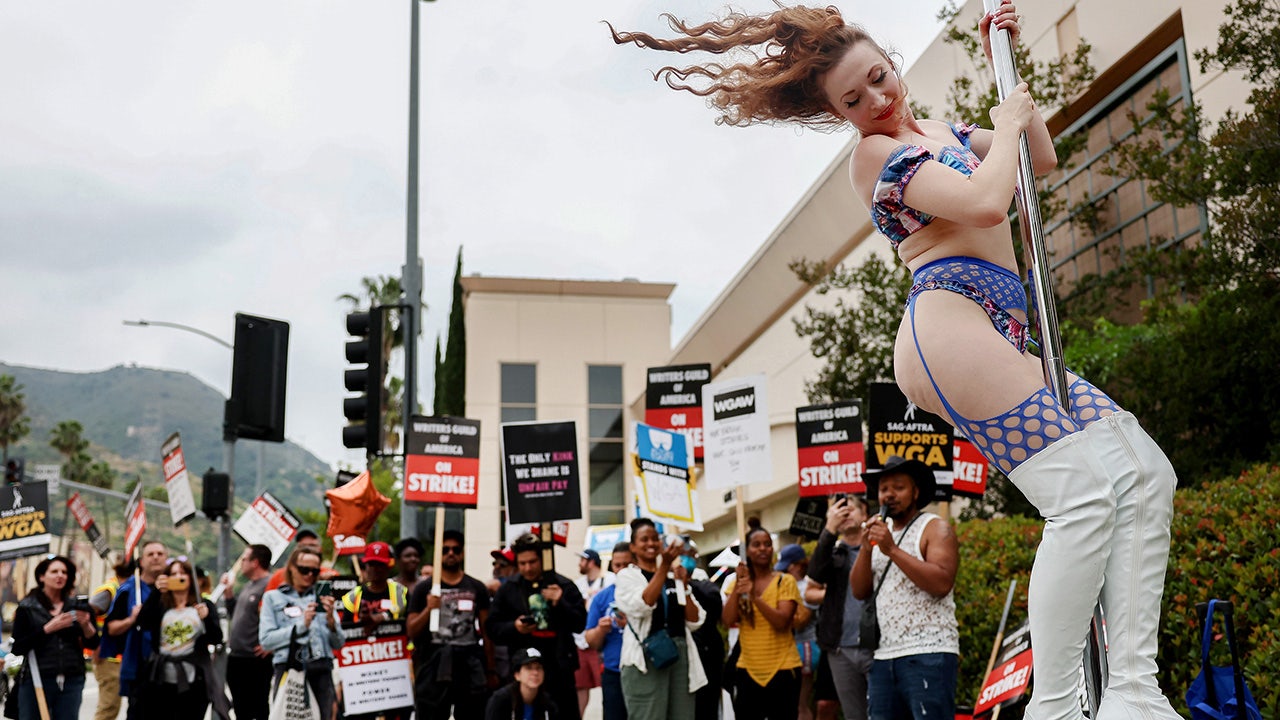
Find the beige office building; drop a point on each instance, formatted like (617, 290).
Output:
(1138, 47)
(559, 350)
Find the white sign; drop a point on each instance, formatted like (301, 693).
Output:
(50, 473)
(268, 522)
(182, 504)
(735, 421)
(375, 674)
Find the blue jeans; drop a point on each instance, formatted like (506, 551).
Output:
(64, 703)
(921, 687)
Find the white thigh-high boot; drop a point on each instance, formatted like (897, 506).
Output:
(1069, 484)
(1134, 581)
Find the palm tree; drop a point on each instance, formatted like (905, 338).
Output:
(100, 474)
(14, 423)
(66, 438)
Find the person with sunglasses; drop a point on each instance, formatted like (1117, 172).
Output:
(293, 616)
(453, 672)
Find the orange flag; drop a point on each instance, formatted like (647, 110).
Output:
(353, 509)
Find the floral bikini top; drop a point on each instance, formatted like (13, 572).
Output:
(889, 212)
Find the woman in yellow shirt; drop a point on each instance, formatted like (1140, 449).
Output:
(763, 602)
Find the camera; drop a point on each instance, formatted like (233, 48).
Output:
(79, 602)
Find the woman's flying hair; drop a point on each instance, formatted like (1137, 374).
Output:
(778, 80)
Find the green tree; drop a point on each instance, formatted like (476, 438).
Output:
(855, 335)
(101, 474)
(1199, 370)
(14, 423)
(66, 438)
(451, 375)
(436, 400)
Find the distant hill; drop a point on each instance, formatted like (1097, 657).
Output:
(127, 412)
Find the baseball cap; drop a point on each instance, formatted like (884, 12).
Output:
(378, 552)
(524, 656)
(591, 555)
(788, 556)
(504, 554)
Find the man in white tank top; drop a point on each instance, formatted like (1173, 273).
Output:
(911, 571)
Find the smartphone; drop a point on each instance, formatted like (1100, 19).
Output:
(323, 588)
(177, 584)
(527, 619)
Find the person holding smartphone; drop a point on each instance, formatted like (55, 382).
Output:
(295, 615)
(48, 622)
(179, 679)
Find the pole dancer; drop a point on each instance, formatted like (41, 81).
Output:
(940, 193)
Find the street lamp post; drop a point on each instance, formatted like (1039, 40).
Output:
(411, 272)
(229, 446)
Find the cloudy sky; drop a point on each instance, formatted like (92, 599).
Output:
(182, 161)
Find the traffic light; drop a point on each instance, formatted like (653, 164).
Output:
(14, 469)
(364, 411)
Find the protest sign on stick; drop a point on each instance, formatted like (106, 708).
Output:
(736, 434)
(829, 448)
(182, 504)
(665, 484)
(540, 471)
(267, 522)
(673, 401)
(85, 519)
(374, 667)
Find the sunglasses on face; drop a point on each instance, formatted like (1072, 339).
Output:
(308, 570)
(450, 550)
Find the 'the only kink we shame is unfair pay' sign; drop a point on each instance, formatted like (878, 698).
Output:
(442, 461)
(829, 448)
(540, 471)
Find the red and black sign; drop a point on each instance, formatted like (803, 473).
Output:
(540, 472)
(971, 470)
(829, 448)
(135, 521)
(85, 519)
(897, 426)
(673, 401)
(1010, 675)
(442, 462)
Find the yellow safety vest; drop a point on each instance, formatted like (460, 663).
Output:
(398, 593)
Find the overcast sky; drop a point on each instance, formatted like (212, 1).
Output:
(182, 161)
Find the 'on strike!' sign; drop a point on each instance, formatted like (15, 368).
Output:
(442, 461)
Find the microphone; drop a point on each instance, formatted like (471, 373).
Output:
(884, 515)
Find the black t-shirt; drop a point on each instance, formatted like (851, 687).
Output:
(460, 607)
(673, 619)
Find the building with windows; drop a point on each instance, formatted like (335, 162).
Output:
(515, 327)
(559, 350)
(1138, 48)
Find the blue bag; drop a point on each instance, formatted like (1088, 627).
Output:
(1218, 693)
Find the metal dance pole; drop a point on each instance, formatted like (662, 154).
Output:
(1055, 371)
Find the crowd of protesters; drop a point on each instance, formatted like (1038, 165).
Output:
(528, 642)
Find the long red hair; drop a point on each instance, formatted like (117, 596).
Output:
(784, 56)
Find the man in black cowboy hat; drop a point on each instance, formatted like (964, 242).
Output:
(910, 571)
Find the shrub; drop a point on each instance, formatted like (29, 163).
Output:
(1225, 545)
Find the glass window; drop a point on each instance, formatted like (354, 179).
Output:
(518, 414)
(1110, 216)
(604, 385)
(606, 462)
(519, 383)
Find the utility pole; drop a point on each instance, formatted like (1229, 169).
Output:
(411, 273)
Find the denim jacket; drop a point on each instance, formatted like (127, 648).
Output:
(276, 624)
